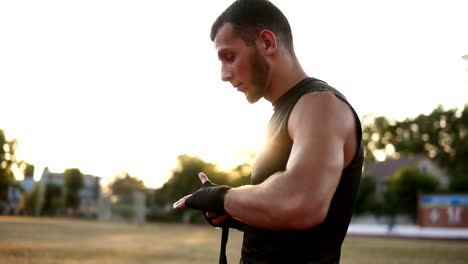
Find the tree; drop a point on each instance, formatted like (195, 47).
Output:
(184, 179)
(7, 160)
(32, 201)
(403, 189)
(240, 175)
(441, 135)
(53, 200)
(73, 182)
(25, 168)
(126, 185)
(128, 198)
(365, 196)
(160, 208)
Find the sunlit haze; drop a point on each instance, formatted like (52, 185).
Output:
(126, 86)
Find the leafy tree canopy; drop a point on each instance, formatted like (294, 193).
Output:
(403, 189)
(7, 160)
(126, 185)
(73, 179)
(441, 135)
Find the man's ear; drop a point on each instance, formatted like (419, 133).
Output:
(266, 42)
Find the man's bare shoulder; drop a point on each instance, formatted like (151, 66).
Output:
(322, 106)
(323, 119)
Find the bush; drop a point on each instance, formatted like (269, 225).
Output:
(403, 189)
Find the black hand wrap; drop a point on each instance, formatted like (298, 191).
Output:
(209, 198)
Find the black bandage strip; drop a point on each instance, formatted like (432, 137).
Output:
(222, 251)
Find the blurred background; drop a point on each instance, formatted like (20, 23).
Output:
(109, 109)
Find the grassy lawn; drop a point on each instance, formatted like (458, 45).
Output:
(45, 240)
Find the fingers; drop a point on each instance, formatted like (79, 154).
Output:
(203, 178)
(216, 219)
(219, 220)
(211, 215)
(181, 203)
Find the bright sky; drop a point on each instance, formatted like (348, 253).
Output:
(126, 86)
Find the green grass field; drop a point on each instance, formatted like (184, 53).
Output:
(45, 240)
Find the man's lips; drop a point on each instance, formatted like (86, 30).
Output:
(238, 87)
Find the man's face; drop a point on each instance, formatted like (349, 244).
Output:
(241, 65)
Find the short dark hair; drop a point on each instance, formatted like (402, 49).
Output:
(249, 17)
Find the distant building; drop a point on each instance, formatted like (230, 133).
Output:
(89, 193)
(381, 171)
(48, 177)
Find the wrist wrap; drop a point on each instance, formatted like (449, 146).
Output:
(209, 198)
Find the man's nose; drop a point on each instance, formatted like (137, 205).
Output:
(226, 73)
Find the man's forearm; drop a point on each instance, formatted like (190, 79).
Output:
(264, 205)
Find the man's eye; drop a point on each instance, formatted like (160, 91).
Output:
(229, 57)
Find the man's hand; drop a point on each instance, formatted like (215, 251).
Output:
(214, 219)
(209, 198)
(224, 221)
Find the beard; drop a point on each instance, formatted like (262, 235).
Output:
(260, 72)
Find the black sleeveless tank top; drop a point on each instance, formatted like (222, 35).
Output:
(322, 243)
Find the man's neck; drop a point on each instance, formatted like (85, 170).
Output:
(286, 75)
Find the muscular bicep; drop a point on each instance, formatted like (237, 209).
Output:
(318, 127)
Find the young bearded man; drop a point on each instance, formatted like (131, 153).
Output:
(305, 179)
